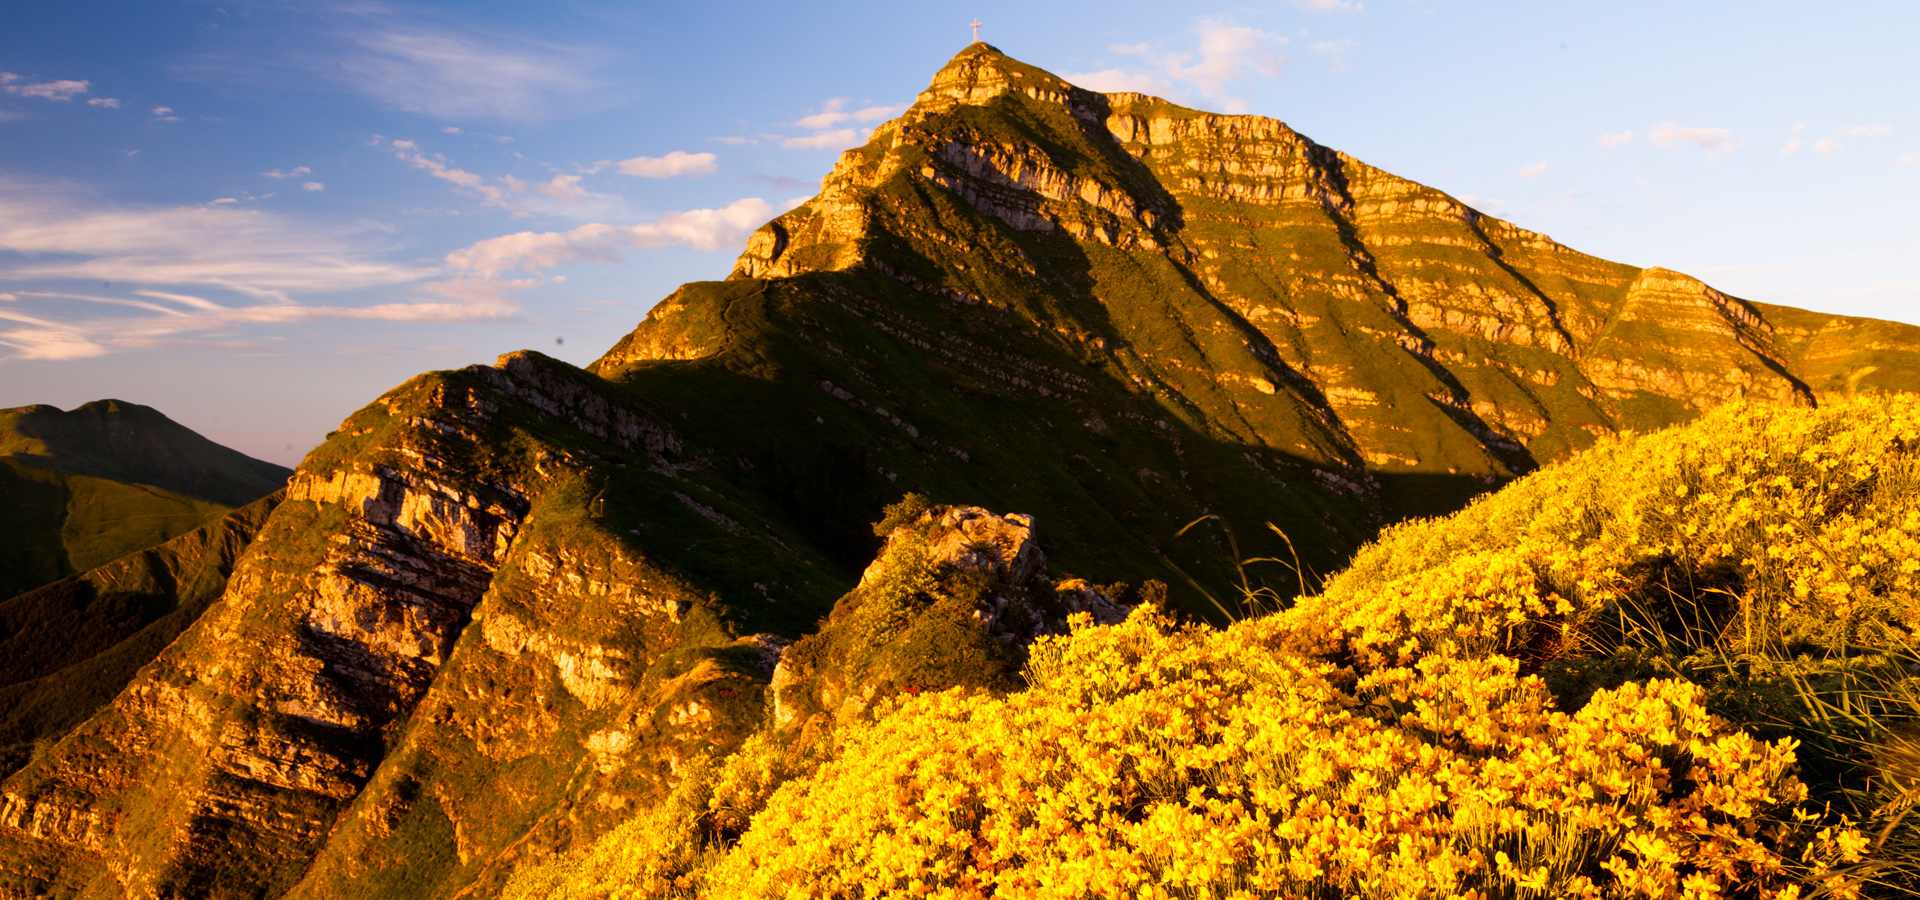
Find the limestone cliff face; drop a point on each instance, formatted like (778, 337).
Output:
(502, 607)
(1234, 268)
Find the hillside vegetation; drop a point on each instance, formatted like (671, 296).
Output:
(1675, 665)
(68, 647)
(89, 485)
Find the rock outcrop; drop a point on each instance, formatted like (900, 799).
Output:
(954, 599)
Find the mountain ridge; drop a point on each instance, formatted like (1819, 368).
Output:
(87, 486)
(504, 605)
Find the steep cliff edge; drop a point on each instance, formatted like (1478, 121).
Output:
(506, 606)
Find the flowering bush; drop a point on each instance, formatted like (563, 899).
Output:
(1390, 737)
(1147, 760)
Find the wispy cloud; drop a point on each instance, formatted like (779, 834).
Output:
(560, 195)
(62, 90)
(177, 260)
(1226, 53)
(246, 251)
(1533, 171)
(1869, 130)
(1907, 159)
(1793, 142)
(478, 271)
(1329, 6)
(417, 62)
(1113, 81)
(1826, 146)
(313, 186)
(1610, 141)
(835, 112)
(104, 102)
(527, 251)
(294, 172)
(825, 140)
(447, 73)
(675, 164)
(825, 136)
(1716, 141)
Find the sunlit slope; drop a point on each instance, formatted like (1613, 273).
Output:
(86, 486)
(1668, 666)
(1260, 289)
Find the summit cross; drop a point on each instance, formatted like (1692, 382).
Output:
(976, 29)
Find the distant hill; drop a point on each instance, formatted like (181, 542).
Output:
(83, 487)
(505, 607)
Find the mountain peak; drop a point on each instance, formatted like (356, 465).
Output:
(503, 604)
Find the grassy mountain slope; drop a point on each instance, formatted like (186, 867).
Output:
(67, 647)
(87, 486)
(502, 608)
(1554, 692)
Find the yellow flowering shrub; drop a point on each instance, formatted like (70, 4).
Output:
(1147, 760)
(1806, 521)
(1390, 737)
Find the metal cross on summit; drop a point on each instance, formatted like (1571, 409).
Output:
(976, 29)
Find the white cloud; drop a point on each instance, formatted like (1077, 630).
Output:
(1533, 171)
(1611, 141)
(562, 195)
(62, 90)
(295, 172)
(451, 129)
(834, 112)
(564, 188)
(1226, 53)
(527, 251)
(1716, 141)
(1870, 130)
(1827, 145)
(676, 163)
(1793, 143)
(1112, 81)
(1479, 202)
(104, 102)
(826, 140)
(175, 255)
(163, 110)
(313, 186)
(1329, 6)
(1908, 159)
(43, 339)
(735, 141)
(245, 251)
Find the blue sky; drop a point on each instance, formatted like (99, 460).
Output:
(259, 216)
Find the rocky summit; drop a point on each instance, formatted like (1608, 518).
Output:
(503, 608)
